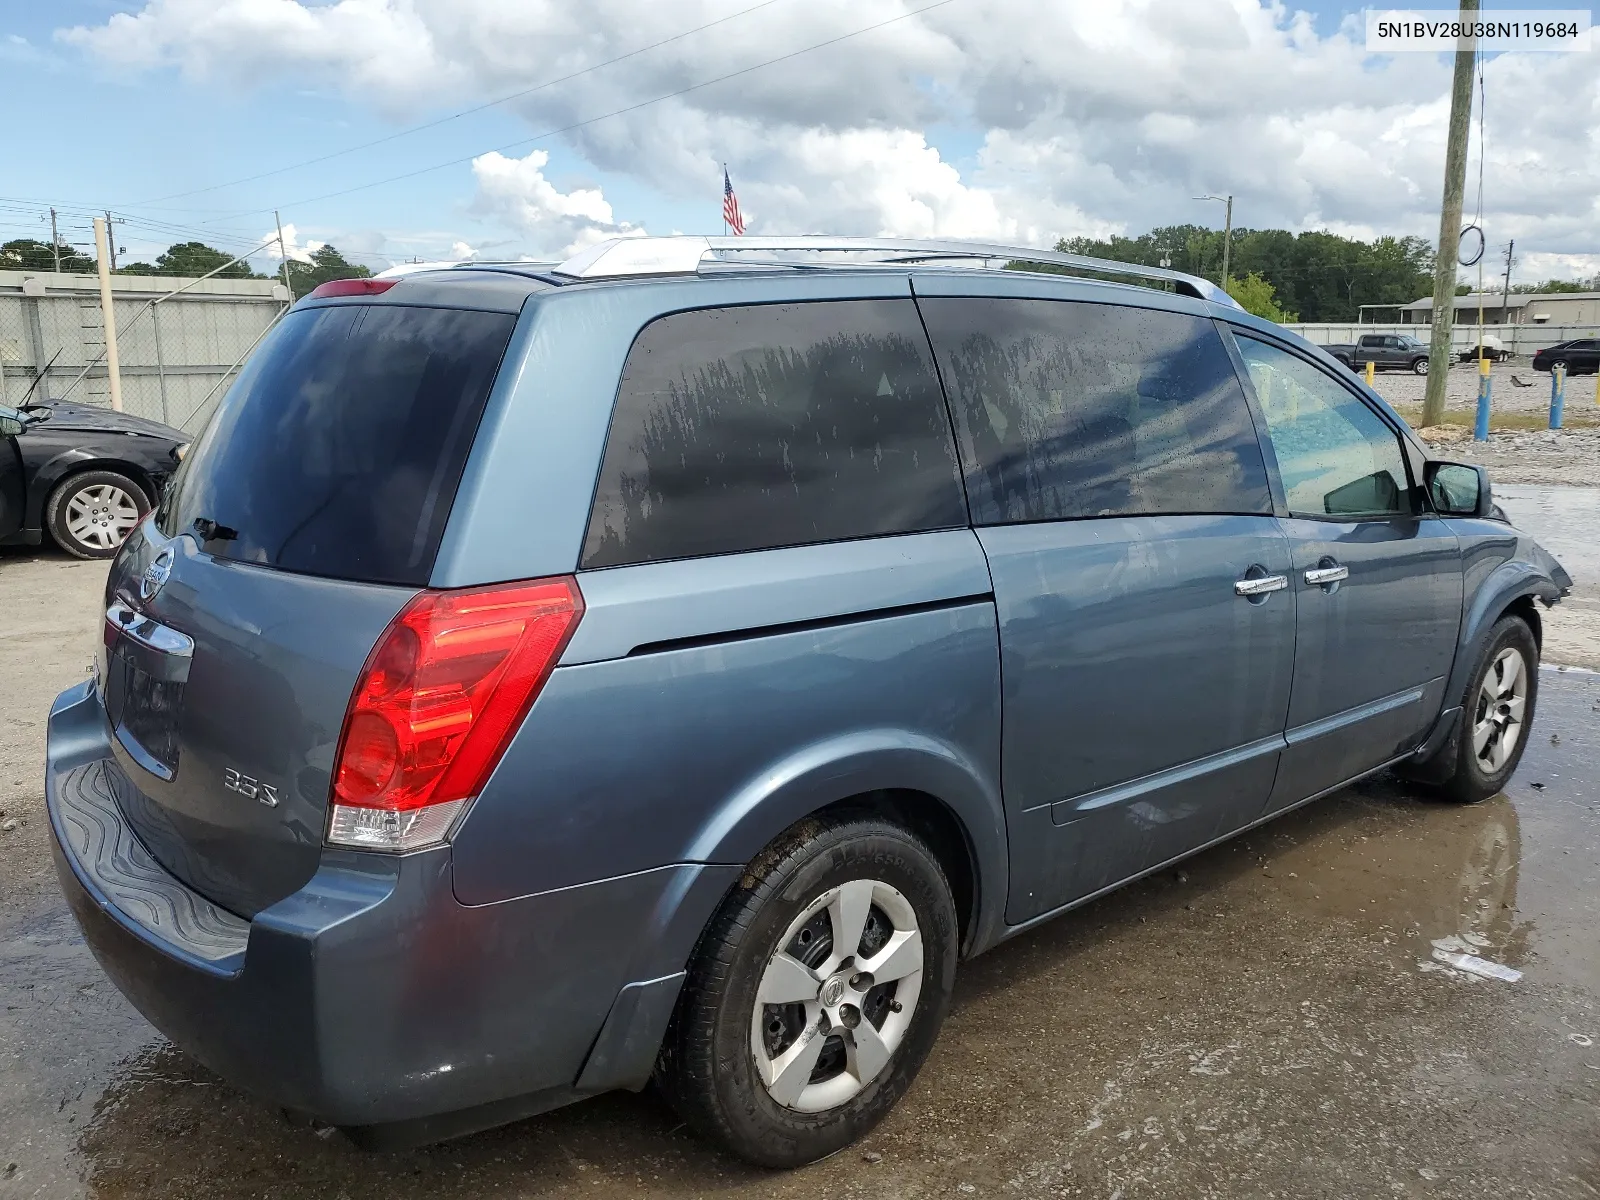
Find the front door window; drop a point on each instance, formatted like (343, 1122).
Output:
(1336, 456)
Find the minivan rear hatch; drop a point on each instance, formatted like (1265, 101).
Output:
(301, 522)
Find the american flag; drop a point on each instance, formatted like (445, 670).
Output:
(730, 205)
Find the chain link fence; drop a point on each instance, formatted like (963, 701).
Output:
(177, 355)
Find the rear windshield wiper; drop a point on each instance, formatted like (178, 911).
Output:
(210, 531)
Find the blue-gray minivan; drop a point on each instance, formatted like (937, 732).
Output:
(669, 664)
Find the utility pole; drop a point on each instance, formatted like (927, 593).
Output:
(111, 240)
(283, 252)
(55, 241)
(1505, 289)
(1444, 268)
(103, 256)
(1227, 242)
(1227, 234)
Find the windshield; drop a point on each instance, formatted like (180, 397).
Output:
(339, 449)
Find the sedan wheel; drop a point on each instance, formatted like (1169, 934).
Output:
(90, 515)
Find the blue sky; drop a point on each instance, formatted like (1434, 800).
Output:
(93, 128)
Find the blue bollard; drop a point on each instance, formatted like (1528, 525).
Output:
(1480, 431)
(1558, 394)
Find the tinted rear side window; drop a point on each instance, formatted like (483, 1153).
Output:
(339, 450)
(775, 425)
(1068, 409)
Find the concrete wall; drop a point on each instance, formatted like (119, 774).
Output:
(177, 356)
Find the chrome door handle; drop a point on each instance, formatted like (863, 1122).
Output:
(1322, 576)
(1261, 586)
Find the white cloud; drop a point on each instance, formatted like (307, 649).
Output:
(557, 223)
(293, 247)
(1076, 116)
(374, 47)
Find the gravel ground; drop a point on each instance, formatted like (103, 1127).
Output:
(1403, 389)
(1570, 456)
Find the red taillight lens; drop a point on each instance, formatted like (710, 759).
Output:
(351, 287)
(441, 695)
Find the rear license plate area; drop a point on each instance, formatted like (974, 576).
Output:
(144, 701)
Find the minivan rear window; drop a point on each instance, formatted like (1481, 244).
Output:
(763, 426)
(339, 449)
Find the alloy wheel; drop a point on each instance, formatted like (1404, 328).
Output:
(837, 997)
(1500, 709)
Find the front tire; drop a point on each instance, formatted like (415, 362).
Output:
(815, 993)
(1419, 366)
(90, 514)
(1496, 714)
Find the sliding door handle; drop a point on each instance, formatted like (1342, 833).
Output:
(1261, 585)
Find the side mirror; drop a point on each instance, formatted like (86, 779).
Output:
(12, 422)
(1459, 490)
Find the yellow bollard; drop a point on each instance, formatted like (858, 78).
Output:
(1372, 371)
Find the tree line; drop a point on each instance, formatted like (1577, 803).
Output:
(1312, 276)
(186, 259)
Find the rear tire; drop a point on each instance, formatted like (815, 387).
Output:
(90, 514)
(1496, 714)
(795, 1080)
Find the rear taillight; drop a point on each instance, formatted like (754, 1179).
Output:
(437, 703)
(351, 287)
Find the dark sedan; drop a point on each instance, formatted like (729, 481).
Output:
(86, 476)
(1582, 357)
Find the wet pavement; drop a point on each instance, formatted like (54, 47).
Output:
(1566, 522)
(1279, 1017)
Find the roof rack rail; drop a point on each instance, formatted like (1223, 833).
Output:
(399, 270)
(620, 258)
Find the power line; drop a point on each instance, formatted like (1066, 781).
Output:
(549, 133)
(82, 218)
(466, 112)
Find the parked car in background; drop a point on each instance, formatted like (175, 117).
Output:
(85, 476)
(673, 663)
(1387, 351)
(1581, 356)
(1493, 349)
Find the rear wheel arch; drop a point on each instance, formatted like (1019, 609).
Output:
(937, 824)
(919, 785)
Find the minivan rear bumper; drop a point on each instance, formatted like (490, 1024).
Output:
(372, 997)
